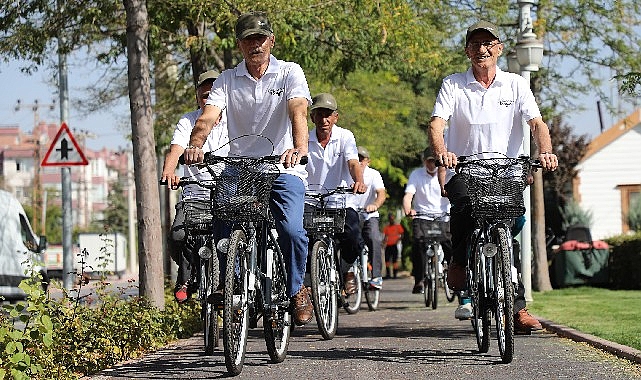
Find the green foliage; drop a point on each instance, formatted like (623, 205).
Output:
(116, 214)
(625, 261)
(46, 338)
(634, 215)
(573, 214)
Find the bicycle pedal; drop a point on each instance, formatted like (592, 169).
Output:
(522, 332)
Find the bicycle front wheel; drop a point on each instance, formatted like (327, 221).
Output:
(208, 284)
(372, 294)
(353, 301)
(236, 304)
(324, 283)
(277, 323)
(480, 312)
(450, 295)
(430, 283)
(504, 294)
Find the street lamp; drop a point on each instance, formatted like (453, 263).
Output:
(529, 55)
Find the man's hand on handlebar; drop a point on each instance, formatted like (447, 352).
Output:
(170, 179)
(549, 161)
(193, 155)
(448, 159)
(292, 156)
(359, 188)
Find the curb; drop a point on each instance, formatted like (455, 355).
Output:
(617, 349)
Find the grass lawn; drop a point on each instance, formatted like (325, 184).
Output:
(614, 315)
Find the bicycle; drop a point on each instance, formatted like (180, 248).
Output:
(322, 221)
(372, 294)
(496, 188)
(199, 230)
(435, 274)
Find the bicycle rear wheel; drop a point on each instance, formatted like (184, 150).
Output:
(236, 304)
(353, 302)
(324, 283)
(504, 294)
(277, 323)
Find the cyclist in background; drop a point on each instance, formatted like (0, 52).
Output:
(216, 141)
(423, 195)
(333, 162)
(485, 107)
(269, 97)
(393, 235)
(369, 203)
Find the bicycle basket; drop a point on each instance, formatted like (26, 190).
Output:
(243, 187)
(496, 187)
(324, 220)
(433, 228)
(197, 213)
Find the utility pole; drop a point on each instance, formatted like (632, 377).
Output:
(36, 195)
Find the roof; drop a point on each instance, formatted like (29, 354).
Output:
(613, 133)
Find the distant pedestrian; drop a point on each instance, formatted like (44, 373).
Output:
(393, 233)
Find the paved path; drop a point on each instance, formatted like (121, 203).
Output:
(402, 340)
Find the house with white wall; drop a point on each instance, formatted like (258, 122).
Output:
(609, 176)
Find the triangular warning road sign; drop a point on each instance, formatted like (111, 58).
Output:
(64, 150)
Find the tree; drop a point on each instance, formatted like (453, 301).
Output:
(150, 242)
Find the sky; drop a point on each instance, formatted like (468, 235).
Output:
(108, 129)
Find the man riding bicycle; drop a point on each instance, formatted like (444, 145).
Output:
(485, 107)
(423, 196)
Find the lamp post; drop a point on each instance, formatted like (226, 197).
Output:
(526, 58)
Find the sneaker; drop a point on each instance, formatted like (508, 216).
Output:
(456, 276)
(349, 281)
(376, 283)
(181, 294)
(524, 323)
(463, 311)
(303, 309)
(418, 288)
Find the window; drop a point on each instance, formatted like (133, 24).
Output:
(629, 194)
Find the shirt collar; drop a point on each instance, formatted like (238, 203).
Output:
(274, 67)
(498, 80)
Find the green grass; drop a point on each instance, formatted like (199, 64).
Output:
(614, 315)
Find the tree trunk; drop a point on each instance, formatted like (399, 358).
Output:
(541, 275)
(145, 168)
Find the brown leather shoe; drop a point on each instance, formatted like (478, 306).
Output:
(350, 283)
(303, 308)
(456, 277)
(524, 323)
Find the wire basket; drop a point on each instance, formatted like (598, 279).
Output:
(496, 187)
(433, 228)
(324, 220)
(197, 213)
(243, 187)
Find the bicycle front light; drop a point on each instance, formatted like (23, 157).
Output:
(489, 249)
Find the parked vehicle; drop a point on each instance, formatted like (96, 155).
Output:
(20, 248)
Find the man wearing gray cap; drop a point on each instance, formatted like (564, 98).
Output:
(485, 108)
(269, 97)
(216, 141)
(333, 162)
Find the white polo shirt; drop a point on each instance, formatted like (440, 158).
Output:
(328, 167)
(427, 193)
(374, 181)
(217, 142)
(259, 107)
(485, 120)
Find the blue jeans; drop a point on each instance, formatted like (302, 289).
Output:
(287, 204)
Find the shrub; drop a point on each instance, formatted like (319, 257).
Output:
(625, 261)
(573, 214)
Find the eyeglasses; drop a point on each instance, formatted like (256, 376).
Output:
(486, 44)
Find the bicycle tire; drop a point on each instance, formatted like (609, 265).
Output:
(428, 293)
(277, 324)
(372, 294)
(450, 295)
(324, 284)
(480, 317)
(504, 294)
(209, 283)
(353, 301)
(434, 281)
(236, 304)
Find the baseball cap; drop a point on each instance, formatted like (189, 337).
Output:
(362, 151)
(428, 154)
(207, 75)
(482, 25)
(253, 23)
(324, 101)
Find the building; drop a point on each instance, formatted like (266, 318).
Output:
(609, 176)
(22, 175)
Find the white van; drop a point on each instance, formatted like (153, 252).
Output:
(18, 246)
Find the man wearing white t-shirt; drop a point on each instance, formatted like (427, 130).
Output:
(268, 97)
(216, 141)
(485, 108)
(423, 202)
(333, 162)
(368, 204)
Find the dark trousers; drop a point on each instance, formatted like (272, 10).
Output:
(351, 240)
(462, 226)
(419, 227)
